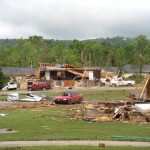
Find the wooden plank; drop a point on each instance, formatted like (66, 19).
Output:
(137, 86)
(144, 87)
(148, 89)
(68, 83)
(120, 111)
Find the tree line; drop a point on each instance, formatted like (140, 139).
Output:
(117, 51)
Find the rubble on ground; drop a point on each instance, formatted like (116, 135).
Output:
(27, 105)
(102, 111)
(111, 111)
(30, 97)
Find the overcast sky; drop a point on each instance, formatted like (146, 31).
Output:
(74, 19)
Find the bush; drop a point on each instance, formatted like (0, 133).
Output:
(3, 79)
(138, 78)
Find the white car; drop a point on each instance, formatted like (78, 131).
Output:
(104, 81)
(10, 86)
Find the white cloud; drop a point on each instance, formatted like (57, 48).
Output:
(69, 19)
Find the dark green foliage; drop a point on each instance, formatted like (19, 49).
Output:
(115, 40)
(3, 79)
(8, 42)
(138, 78)
(117, 51)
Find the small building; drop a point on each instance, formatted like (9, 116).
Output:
(130, 70)
(21, 75)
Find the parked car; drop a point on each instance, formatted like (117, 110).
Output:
(39, 86)
(103, 81)
(10, 86)
(69, 97)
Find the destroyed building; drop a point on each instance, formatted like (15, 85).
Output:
(60, 75)
(66, 75)
(136, 109)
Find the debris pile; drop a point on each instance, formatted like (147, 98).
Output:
(30, 97)
(111, 111)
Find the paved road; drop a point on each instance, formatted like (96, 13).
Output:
(60, 143)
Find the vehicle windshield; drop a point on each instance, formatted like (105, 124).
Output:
(65, 94)
(12, 83)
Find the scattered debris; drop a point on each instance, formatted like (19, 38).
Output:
(111, 111)
(103, 111)
(31, 97)
(26, 105)
(13, 97)
(144, 108)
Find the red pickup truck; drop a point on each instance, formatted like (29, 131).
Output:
(69, 97)
(39, 86)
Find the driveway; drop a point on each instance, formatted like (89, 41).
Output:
(64, 143)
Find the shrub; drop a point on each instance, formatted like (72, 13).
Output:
(138, 78)
(3, 79)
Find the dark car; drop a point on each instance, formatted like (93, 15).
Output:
(39, 86)
(69, 97)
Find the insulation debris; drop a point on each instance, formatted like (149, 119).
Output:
(144, 108)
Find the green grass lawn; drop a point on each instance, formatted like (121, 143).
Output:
(54, 123)
(75, 148)
(95, 94)
(88, 94)
(106, 94)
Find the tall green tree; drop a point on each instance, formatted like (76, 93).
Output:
(140, 44)
(3, 79)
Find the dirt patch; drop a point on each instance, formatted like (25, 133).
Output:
(24, 105)
(2, 131)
